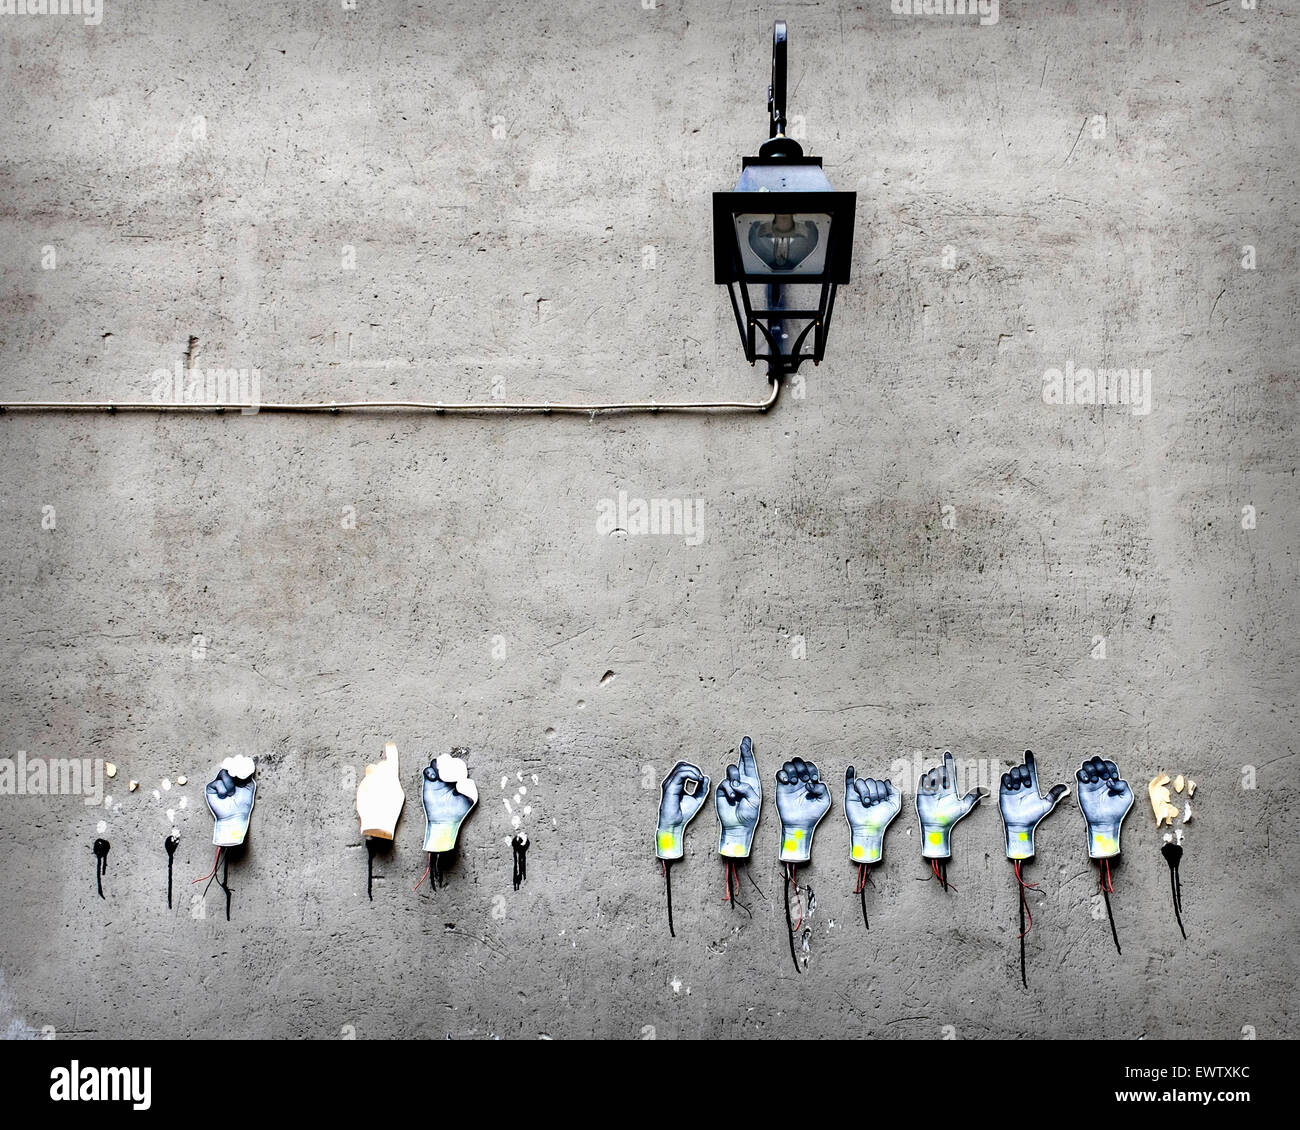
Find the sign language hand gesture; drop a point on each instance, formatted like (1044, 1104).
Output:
(939, 808)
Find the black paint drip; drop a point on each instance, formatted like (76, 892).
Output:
(1107, 887)
(733, 887)
(789, 921)
(1023, 979)
(222, 861)
(170, 844)
(668, 888)
(100, 848)
(520, 847)
(1173, 854)
(224, 881)
(371, 847)
(862, 890)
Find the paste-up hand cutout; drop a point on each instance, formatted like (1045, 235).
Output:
(802, 799)
(681, 796)
(1023, 806)
(939, 807)
(448, 795)
(1104, 800)
(869, 805)
(380, 796)
(739, 799)
(230, 797)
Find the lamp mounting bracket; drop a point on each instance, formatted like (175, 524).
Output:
(776, 91)
(778, 147)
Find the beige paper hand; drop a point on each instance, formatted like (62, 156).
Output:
(380, 797)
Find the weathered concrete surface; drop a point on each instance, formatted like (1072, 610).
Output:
(827, 610)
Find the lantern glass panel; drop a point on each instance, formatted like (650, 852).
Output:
(783, 244)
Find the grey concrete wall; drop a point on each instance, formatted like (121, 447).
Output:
(500, 170)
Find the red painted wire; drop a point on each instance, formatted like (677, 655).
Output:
(210, 873)
(1024, 887)
(1107, 884)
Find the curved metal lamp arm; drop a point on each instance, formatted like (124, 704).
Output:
(776, 91)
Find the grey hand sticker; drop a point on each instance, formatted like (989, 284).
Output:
(448, 795)
(1023, 806)
(1104, 800)
(869, 806)
(802, 799)
(681, 796)
(738, 800)
(939, 807)
(230, 796)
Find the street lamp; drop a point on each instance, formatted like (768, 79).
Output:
(784, 232)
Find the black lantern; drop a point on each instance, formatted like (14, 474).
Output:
(786, 233)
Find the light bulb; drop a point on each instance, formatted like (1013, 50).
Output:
(782, 242)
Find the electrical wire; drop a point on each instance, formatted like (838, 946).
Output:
(788, 873)
(467, 407)
(940, 870)
(860, 889)
(1022, 887)
(667, 868)
(215, 863)
(224, 881)
(1107, 889)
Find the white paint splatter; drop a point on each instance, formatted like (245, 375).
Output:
(12, 1027)
(676, 984)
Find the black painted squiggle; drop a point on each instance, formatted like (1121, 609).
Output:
(100, 848)
(1173, 854)
(519, 845)
(170, 844)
